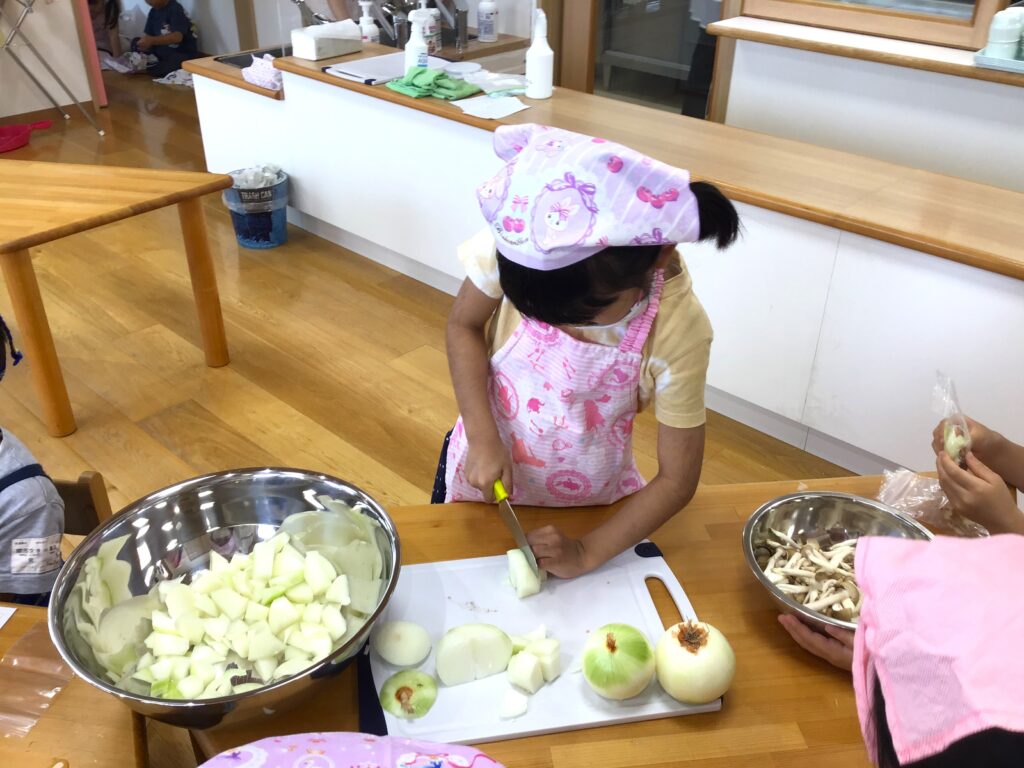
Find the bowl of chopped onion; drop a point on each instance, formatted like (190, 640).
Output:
(801, 548)
(228, 596)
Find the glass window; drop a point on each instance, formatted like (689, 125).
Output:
(656, 52)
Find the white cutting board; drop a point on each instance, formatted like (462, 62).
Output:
(443, 595)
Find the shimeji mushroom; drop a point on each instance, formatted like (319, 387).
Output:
(817, 574)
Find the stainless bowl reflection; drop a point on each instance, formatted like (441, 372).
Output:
(809, 515)
(173, 532)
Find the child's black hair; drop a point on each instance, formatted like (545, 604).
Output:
(994, 748)
(574, 295)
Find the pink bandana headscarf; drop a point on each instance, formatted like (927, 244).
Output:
(942, 631)
(563, 196)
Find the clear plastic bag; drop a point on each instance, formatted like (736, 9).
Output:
(32, 673)
(922, 499)
(956, 432)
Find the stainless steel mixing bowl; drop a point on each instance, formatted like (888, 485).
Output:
(172, 533)
(810, 515)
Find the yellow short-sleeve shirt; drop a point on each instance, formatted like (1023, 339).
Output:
(676, 354)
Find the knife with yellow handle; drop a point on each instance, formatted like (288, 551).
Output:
(512, 523)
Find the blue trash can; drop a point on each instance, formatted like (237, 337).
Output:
(260, 216)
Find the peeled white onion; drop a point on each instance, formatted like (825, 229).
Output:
(618, 661)
(471, 652)
(695, 662)
(401, 643)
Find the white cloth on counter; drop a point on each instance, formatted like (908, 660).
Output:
(257, 177)
(491, 108)
(262, 73)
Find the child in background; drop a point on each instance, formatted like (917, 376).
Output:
(103, 14)
(576, 314)
(168, 36)
(31, 514)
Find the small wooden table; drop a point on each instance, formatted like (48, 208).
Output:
(84, 726)
(786, 708)
(40, 202)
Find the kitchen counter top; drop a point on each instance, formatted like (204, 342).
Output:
(852, 45)
(225, 73)
(786, 708)
(955, 219)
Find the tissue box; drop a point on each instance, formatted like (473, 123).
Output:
(323, 41)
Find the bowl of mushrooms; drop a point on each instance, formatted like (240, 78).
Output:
(801, 548)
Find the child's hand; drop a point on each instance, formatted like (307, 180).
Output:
(486, 461)
(144, 43)
(983, 439)
(836, 647)
(556, 553)
(979, 494)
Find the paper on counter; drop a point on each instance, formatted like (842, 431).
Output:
(5, 614)
(491, 108)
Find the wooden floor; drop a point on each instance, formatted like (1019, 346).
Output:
(338, 364)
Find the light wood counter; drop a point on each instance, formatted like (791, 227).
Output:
(225, 73)
(884, 50)
(785, 708)
(963, 221)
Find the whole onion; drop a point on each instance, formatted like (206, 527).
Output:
(618, 661)
(695, 662)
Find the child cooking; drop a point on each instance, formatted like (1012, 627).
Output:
(576, 314)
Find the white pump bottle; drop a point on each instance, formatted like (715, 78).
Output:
(367, 27)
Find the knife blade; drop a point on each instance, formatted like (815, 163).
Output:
(508, 516)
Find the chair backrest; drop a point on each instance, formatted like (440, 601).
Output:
(86, 503)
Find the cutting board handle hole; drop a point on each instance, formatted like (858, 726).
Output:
(667, 610)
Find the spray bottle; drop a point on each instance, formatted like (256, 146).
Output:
(416, 48)
(430, 20)
(540, 61)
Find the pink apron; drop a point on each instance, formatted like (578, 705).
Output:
(565, 408)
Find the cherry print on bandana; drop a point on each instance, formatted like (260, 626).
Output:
(504, 396)
(614, 164)
(569, 485)
(521, 454)
(621, 430)
(564, 214)
(657, 201)
(533, 405)
(558, 444)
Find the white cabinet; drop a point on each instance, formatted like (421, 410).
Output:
(240, 128)
(397, 177)
(765, 297)
(893, 317)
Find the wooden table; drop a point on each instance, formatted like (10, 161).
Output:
(40, 202)
(786, 709)
(84, 726)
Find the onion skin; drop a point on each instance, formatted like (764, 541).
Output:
(695, 662)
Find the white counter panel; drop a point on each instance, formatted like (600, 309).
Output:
(893, 317)
(944, 123)
(400, 178)
(765, 297)
(240, 128)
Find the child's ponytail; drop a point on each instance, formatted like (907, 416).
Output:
(718, 218)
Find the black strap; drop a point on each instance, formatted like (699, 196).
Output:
(7, 340)
(25, 473)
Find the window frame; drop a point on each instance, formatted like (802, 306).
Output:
(970, 34)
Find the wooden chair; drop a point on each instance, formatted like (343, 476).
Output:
(86, 505)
